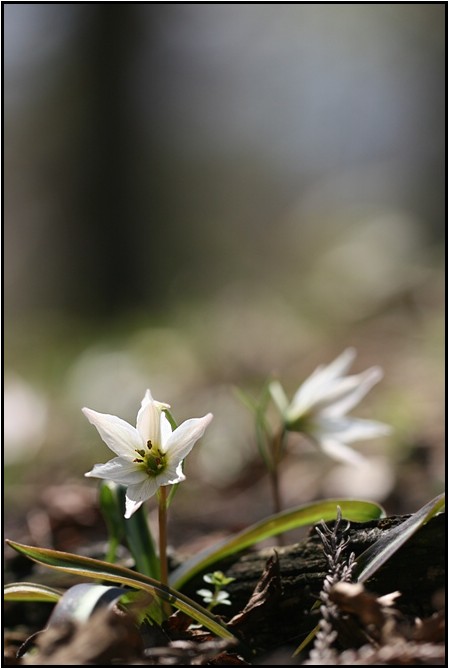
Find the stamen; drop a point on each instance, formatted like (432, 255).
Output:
(155, 462)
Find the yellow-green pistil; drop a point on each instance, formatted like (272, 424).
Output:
(154, 461)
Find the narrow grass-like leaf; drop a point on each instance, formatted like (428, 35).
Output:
(140, 541)
(264, 433)
(97, 569)
(303, 645)
(249, 402)
(382, 550)
(30, 592)
(170, 418)
(112, 516)
(134, 531)
(356, 510)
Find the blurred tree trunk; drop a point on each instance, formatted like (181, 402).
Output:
(105, 161)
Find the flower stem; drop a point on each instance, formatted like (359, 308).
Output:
(277, 447)
(163, 534)
(162, 497)
(275, 491)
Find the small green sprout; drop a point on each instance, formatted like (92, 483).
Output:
(218, 595)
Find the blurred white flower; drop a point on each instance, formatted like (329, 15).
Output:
(375, 480)
(214, 598)
(150, 455)
(319, 407)
(26, 419)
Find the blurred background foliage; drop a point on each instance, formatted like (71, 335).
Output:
(199, 196)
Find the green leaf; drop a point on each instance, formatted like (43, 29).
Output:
(141, 605)
(134, 531)
(30, 592)
(171, 494)
(263, 429)
(97, 569)
(140, 541)
(245, 398)
(112, 516)
(356, 510)
(382, 550)
(171, 420)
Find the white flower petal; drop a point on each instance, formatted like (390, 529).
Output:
(120, 436)
(339, 451)
(171, 475)
(131, 507)
(139, 492)
(182, 440)
(363, 384)
(340, 365)
(348, 430)
(223, 597)
(119, 470)
(166, 431)
(305, 396)
(149, 419)
(207, 595)
(322, 398)
(320, 384)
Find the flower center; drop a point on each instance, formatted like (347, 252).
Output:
(153, 459)
(305, 423)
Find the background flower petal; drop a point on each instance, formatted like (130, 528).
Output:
(349, 430)
(340, 365)
(324, 397)
(339, 451)
(362, 385)
(322, 383)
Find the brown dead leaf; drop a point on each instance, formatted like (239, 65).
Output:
(190, 653)
(226, 660)
(353, 598)
(431, 630)
(266, 594)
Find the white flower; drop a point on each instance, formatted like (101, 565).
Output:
(150, 455)
(319, 406)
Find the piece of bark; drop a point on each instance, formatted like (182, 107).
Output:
(417, 570)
